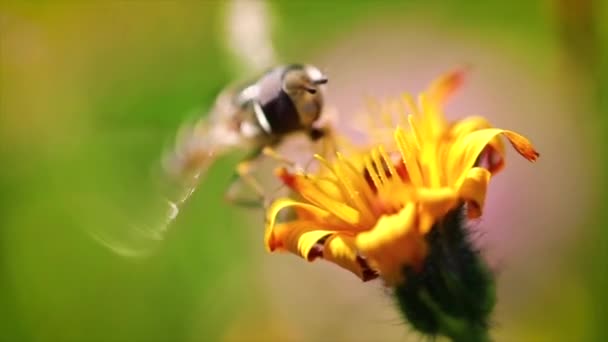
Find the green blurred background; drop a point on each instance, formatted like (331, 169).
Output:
(92, 91)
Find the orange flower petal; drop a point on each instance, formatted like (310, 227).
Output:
(446, 85)
(342, 250)
(522, 145)
(437, 200)
(493, 153)
(473, 190)
(298, 237)
(408, 151)
(270, 240)
(464, 153)
(355, 194)
(322, 194)
(393, 243)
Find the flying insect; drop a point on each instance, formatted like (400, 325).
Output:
(256, 117)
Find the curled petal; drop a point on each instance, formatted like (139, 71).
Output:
(270, 240)
(298, 237)
(393, 244)
(468, 125)
(464, 153)
(522, 145)
(473, 190)
(342, 250)
(494, 151)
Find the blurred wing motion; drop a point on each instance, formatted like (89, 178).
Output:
(183, 166)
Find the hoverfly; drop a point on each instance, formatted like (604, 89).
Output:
(256, 117)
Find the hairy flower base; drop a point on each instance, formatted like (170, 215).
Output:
(453, 294)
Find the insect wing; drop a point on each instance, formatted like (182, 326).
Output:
(182, 167)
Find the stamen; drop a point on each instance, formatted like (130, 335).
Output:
(387, 162)
(415, 131)
(409, 101)
(357, 184)
(320, 197)
(345, 193)
(336, 180)
(380, 168)
(373, 174)
(407, 155)
(347, 189)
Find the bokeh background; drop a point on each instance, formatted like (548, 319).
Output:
(91, 92)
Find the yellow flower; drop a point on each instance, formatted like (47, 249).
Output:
(369, 213)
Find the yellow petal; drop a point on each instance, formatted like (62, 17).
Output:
(339, 209)
(426, 220)
(426, 133)
(329, 186)
(322, 194)
(468, 125)
(357, 188)
(522, 145)
(387, 229)
(465, 152)
(442, 88)
(273, 211)
(473, 190)
(393, 243)
(495, 150)
(437, 202)
(431, 124)
(297, 237)
(341, 250)
(409, 151)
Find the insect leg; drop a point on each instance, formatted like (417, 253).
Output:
(243, 173)
(270, 152)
